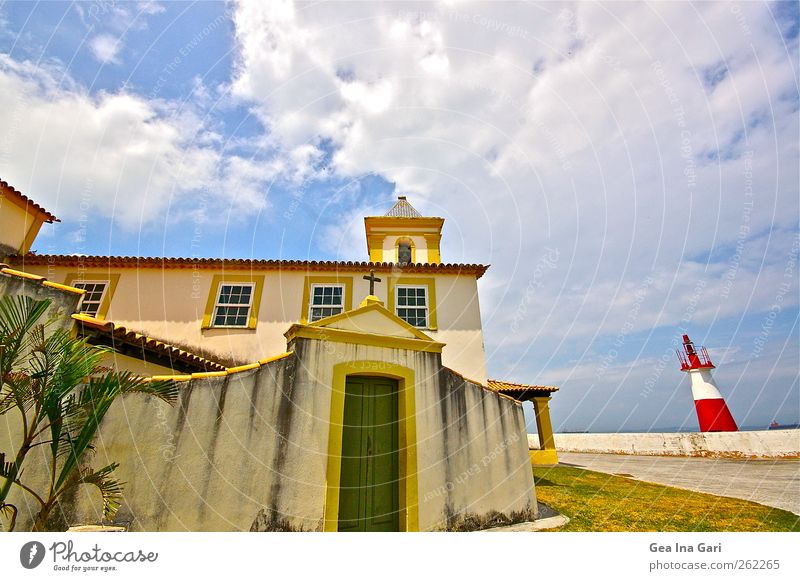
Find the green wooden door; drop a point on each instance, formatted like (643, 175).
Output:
(369, 491)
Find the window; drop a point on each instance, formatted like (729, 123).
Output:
(324, 296)
(102, 282)
(93, 298)
(233, 301)
(232, 308)
(412, 305)
(326, 300)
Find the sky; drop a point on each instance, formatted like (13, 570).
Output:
(629, 170)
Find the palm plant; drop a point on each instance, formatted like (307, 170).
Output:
(61, 391)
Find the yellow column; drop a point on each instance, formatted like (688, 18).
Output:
(546, 455)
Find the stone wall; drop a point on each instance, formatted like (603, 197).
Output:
(760, 444)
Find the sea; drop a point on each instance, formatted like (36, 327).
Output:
(681, 429)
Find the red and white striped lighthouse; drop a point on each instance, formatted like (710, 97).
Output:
(712, 412)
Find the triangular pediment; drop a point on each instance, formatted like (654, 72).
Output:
(374, 319)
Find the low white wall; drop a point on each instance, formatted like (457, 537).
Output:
(761, 444)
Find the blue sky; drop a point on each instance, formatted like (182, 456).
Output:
(629, 171)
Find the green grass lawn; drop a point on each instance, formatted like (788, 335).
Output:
(602, 502)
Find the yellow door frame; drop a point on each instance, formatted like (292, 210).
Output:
(408, 485)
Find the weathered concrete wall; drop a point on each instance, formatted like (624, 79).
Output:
(250, 450)
(62, 304)
(206, 463)
(473, 466)
(474, 463)
(57, 317)
(761, 444)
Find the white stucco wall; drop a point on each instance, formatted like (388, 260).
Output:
(253, 447)
(169, 304)
(760, 444)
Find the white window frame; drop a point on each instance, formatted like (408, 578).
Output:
(312, 306)
(106, 284)
(217, 304)
(427, 308)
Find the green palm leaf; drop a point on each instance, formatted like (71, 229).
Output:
(94, 401)
(63, 392)
(110, 489)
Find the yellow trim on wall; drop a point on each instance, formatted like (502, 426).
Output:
(409, 485)
(65, 288)
(433, 242)
(33, 231)
(359, 338)
(241, 368)
(416, 281)
(257, 280)
(268, 360)
(370, 307)
(22, 274)
(89, 275)
(347, 281)
(375, 248)
(401, 221)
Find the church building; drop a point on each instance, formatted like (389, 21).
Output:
(315, 395)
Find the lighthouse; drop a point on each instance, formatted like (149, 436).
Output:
(712, 412)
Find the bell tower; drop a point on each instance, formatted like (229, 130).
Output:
(404, 236)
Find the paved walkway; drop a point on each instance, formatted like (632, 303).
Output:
(770, 482)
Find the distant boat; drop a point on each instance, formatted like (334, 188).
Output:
(776, 426)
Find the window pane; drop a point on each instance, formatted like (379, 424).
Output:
(226, 312)
(329, 296)
(225, 294)
(412, 305)
(318, 313)
(93, 296)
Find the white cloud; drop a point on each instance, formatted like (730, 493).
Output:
(149, 7)
(116, 154)
(637, 140)
(105, 48)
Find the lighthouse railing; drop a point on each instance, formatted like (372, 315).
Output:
(684, 361)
